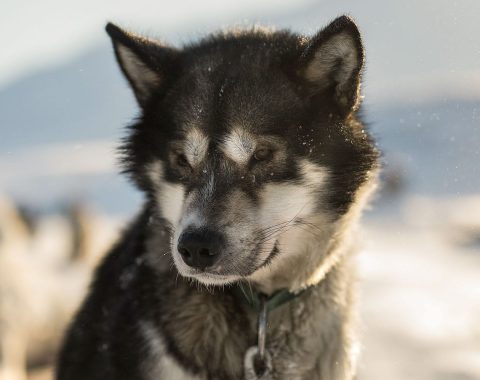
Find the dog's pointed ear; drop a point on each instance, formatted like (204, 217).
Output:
(145, 63)
(332, 63)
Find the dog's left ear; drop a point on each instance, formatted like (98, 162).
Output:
(332, 63)
(147, 64)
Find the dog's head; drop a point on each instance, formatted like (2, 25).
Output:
(245, 137)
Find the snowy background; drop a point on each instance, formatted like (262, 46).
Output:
(63, 106)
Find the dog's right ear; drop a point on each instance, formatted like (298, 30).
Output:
(145, 63)
(332, 63)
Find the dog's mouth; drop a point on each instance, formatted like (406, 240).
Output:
(216, 276)
(273, 253)
(209, 278)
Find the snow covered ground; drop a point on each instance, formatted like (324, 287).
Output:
(419, 299)
(420, 293)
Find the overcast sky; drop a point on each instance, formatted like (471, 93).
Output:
(427, 45)
(45, 32)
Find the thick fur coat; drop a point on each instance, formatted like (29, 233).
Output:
(255, 168)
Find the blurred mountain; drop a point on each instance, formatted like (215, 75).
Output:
(85, 99)
(430, 146)
(51, 123)
(435, 146)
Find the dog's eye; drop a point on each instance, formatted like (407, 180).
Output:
(263, 154)
(182, 161)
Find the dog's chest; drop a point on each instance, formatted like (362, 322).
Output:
(198, 333)
(206, 339)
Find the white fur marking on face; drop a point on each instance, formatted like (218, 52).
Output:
(239, 146)
(282, 202)
(191, 219)
(171, 202)
(313, 175)
(170, 197)
(209, 188)
(196, 146)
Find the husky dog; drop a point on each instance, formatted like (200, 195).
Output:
(255, 166)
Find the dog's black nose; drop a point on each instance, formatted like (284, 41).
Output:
(199, 248)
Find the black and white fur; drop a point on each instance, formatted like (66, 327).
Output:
(249, 144)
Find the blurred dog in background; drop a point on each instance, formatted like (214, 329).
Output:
(45, 267)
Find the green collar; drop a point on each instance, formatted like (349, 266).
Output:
(262, 304)
(255, 299)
